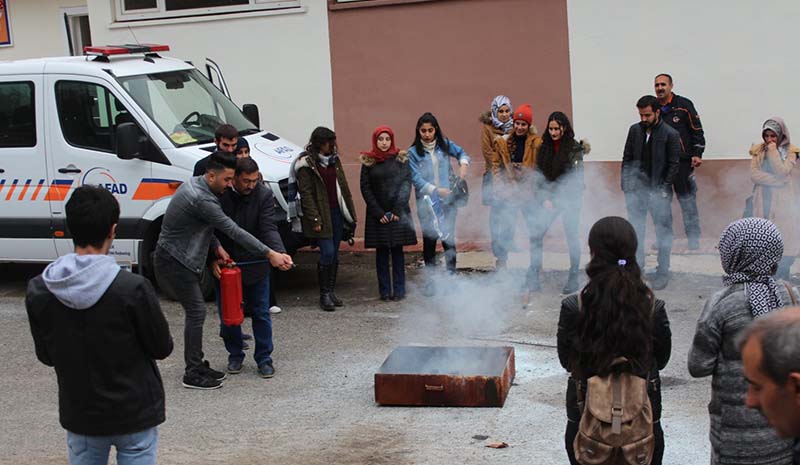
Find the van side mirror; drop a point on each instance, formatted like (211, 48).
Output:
(250, 110)
(129, 141)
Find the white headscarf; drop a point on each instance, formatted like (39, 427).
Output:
(498, 102)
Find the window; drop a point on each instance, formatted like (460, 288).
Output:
(133, 10)
(17, 115)
(89, 115)
(185, 105)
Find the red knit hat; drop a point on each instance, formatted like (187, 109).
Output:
(524, 112)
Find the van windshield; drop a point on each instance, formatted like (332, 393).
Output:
(185, 105)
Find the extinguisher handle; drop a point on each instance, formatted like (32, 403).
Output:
(230, 263)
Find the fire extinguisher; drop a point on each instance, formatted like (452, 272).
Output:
(230, 284)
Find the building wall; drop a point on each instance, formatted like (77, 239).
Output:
(37, 28)
(279, 62)
(733, 59)
(393, 63)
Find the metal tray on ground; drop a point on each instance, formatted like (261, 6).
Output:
(445, 376)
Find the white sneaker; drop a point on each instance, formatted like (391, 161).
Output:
(275, 309)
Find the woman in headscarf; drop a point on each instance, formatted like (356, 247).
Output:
(497, 122)
(386, 187)
(772, 170)
(559, 192)
(750, 250)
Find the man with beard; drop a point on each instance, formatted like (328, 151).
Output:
(679, 112)
(649, 167)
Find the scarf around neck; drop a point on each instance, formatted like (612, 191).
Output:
(749, 249)
(429, 146)
(778, 126)
(325, 161)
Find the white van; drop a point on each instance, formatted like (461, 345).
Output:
(62, 125)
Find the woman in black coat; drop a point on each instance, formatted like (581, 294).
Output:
(615, 315)
(386, 187)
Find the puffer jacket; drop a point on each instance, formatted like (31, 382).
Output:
(386, 187)
(314, 197)
(569, 184)
(489, 134)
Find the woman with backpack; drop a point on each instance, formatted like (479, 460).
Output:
(327, 207)
(388, 226)
(614, 326)
(434, 182)
(750, 250)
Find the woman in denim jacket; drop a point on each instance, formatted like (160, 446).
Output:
(432, 175)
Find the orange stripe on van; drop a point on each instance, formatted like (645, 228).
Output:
(154, 189)
(11, 191)
(24, 190)
(38, 188)
(58, 189)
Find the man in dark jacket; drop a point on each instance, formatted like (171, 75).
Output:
(679, 112)
(102, 329)
(649, 166)
(226, 139)
(250, 205)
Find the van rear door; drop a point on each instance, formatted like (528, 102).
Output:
(25, 187)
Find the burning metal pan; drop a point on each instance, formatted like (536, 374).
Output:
(445, 376)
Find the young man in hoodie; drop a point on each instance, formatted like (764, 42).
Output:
(102, 329)
(184, 245)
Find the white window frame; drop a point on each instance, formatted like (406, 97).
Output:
(160, 12)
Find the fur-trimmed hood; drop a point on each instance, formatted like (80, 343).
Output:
(486, 118)
(584, 143)
(366, 160)
(758, 149)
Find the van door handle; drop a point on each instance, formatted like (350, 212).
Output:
(2, 170)
(69, 170)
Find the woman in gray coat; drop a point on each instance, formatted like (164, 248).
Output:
(750, 250)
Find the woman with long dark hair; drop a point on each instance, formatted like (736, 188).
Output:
(558, 192)
(327, 207)
(433, 177)
(617, 316)
(388, 226)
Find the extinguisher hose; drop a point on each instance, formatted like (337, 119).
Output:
(256, 262)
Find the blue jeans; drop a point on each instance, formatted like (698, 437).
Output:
(256, 301)
(132, 449)
(398, 273)
(329, 248)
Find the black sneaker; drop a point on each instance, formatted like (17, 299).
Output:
(200, 381)
(206, 370)
(266, 370)
(234, 367)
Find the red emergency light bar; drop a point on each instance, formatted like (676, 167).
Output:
(127, 49)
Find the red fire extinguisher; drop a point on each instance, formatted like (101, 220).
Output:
(230, 284)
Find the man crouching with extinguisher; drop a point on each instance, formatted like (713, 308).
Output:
(250, 204)
(187, 236)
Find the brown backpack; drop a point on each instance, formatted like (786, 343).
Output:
(616, 426)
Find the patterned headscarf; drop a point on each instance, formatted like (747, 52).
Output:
(498, 102)
(749, 250)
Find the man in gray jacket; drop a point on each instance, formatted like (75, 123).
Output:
(649, 166)
(187, 238)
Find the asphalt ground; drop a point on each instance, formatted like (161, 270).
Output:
(320, 407)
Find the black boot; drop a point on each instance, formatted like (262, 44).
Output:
(332, 284)
(572, 283)
(323, 276)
